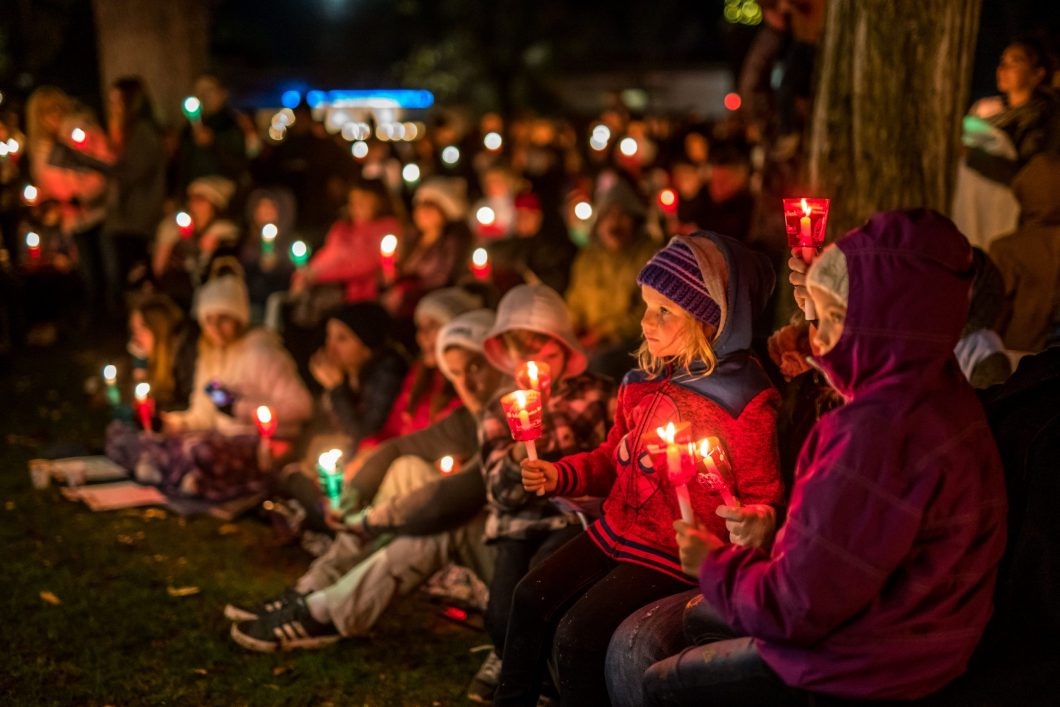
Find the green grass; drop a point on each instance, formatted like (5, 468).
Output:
(118, 637)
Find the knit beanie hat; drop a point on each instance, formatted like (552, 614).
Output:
(216, 190)
(466, 331)
(367, 320)
(447, 193)
(829, 273)
(536, 308)
(675, 273)
(444, 304)
(226, 295)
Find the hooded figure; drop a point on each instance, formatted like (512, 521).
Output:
(880, 583)
(1029, 259)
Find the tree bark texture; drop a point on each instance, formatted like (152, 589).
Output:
(165, 43)
(892, 87)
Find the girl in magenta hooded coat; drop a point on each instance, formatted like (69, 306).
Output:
(880, 583)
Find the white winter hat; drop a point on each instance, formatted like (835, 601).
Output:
(216, 190)
(444, 304)
(536, 308)
(467, 331)
(223, 295)
(447, 193)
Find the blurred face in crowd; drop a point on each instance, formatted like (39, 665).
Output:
(1016, 73)
(363, 205)
(697, 149)
(687, 181)
(496, 183)
(344, 347)
(266, 212)
(139, 334)
(213, 96)
(427, 329)
(201, 211)
(473, 378)
(428, 217)
(524, 345)
(663, 324)
(831, 317)
(528, 222)
(615, 228)
(727, 181)
(221, 330)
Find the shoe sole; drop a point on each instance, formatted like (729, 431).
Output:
(234, 613)
(255, 644)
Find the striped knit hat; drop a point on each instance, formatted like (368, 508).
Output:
(674, 273)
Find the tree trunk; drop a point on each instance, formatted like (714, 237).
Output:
(891, 89)
(165, 43)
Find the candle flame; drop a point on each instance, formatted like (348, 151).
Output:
(269, 232)
(531, 373)
(479, 257)
(806, 207)
(264, 413)
(704, 447)
(667, 434)
(445, 464)
(388, 246)
(329, 460)
(520, 399)
(110, 372)
(142, 391)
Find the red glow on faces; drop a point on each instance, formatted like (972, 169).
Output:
(732, 101)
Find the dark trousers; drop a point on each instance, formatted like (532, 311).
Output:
(568, 606)
(512, 561)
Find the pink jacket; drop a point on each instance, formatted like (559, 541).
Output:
(350, 255)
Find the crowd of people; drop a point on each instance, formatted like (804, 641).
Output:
(851, 547)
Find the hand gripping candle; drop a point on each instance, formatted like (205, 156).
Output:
(674, 455)
(716, 470)
(523, 410)
(805, 220)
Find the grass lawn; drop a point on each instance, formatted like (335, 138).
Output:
(109, 632)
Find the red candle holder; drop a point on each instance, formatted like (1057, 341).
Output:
(667, 200)
(805, 220)
(480, 265)
(535, 376)
(265, 421)
(715, 470)
(447, 465)
(524, 413)
(671, 451)
(145, 405)
(388, 256)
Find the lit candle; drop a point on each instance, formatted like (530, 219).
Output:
(33, 246)
(388, 256)
(29, 195)
(668, 201)
(78, 137)
(446, 464)
(145, 404)
(805, 219)
(524, 413)
(480, 266)
(535, 376)
(184, 224)
(268, 238)
(266, 424)
(718, 473)
(299, 254)
(677, 453)
(330, 474)
(110, 379)
(192, 108)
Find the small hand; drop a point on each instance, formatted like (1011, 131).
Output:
(539, 476)
(693, 545)
(749, 526)
(797, 277)
(324, 370)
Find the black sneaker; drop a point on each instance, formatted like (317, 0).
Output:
(238, 613)
(484, 684)
(289, 628)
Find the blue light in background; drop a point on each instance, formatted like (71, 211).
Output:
(290, 99)
(315, 98)
(402, 98)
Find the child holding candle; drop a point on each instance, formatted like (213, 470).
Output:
(881, 584)
(701, 293)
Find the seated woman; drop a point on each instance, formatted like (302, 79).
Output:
(165, 348)
(210, 449)
(880, 583)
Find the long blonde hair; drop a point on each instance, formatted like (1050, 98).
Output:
(41, 102)
(695, 346)
(163, 318)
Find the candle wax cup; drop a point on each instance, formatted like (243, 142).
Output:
(674, 460)
(805, 227)
(525, 422)
(113, 394)
(333, 487)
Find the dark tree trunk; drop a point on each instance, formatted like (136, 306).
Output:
(165, 43)
(891, 89)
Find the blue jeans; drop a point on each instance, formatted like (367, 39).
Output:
(654, 659)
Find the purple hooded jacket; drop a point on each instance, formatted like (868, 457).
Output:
(880, 583)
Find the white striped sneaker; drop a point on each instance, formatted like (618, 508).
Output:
(238, 613)
(287, 629)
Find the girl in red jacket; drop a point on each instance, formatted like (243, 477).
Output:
(695, 366)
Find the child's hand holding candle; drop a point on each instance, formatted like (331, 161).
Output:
(524, 413)
(805, 220)
(673, 454)
(717, 472)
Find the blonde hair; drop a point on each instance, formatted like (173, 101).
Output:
(41, 102)
(164, 319)
(695, 346)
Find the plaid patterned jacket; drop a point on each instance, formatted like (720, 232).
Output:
(575, 420)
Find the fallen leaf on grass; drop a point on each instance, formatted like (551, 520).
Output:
(199, 671)
(159, 558)
(280, 670)
(228, 529)
(182, 591)
(154, 514)
(50, 598)
(9, 505)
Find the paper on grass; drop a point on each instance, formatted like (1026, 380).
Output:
(123, 494)
(80, 470)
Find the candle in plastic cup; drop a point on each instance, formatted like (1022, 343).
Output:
(330, 474)
(265, 420)
(523, 410)
(480, 266)
(299, 254)
(805, 220)
(192, 108)
(388, 255)
(535, 376)
(446, 464)
(268, 238)
(145, 404)
(718, 473)
(185, 226)
(674, 456)
(110, 379)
